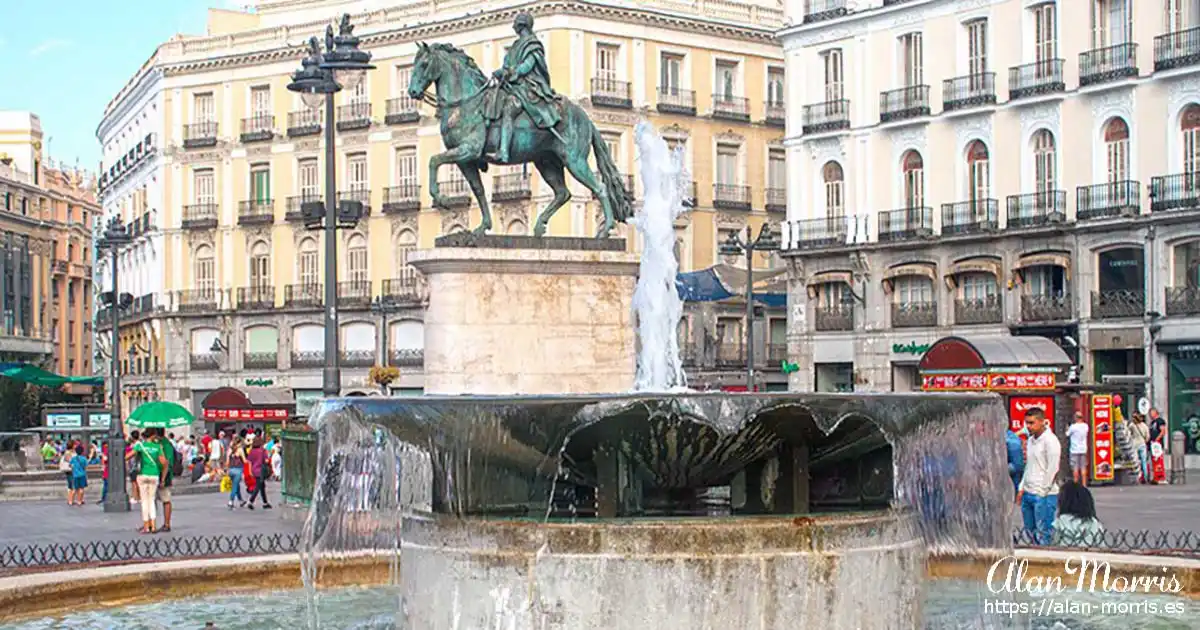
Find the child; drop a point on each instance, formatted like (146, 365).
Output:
(78, 476)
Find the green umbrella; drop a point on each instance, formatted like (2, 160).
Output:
(160, 415)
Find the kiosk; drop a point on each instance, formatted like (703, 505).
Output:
(231, 410)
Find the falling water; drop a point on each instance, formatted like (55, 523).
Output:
(656, 299)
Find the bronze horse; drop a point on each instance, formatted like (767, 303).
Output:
(470, 141)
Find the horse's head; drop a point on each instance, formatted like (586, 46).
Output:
(425, 70)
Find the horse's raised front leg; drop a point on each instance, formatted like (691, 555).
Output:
(475, 180)
(457, 154)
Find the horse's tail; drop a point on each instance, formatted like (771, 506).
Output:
(619, 197)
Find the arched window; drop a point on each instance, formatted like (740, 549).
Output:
(1044, 172)
(835, 186)
(1116, 146)
(356, 259)
(204, 270)
(260, 265)
(406, 242)
(306, 262)
(1189, 127)
(977, 173)
(516, 226)
(978, 286)
(914, 179)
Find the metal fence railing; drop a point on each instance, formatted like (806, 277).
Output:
(146, 549)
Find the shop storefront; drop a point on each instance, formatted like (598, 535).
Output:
(1183, 391)
(906, 365)
(231, 409)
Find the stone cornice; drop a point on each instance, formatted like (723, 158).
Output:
(523, 261)
(131, 94)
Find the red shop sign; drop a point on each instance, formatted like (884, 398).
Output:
(245, 414)
(1018, 406)
(954, 382)
(1102, 437)
(1008, 381)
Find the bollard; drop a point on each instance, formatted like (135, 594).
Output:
(1178, 469)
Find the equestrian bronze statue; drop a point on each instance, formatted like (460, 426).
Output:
(514, 118)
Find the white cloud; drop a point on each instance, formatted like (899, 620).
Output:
(49, 45)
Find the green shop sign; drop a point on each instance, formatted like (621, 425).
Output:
(259, 382)
(911, 348)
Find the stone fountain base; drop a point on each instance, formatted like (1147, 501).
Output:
(858, 571)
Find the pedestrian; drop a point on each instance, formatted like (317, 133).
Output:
(1038, 494)
(1077, 525)
(103, 473)
(218, 452)
(1077, 444)
(260, 469)
(277, 461)
(173, 467)
(1158, 434)
(1016, 458)
(64, 466)
(49, 453)
(234, 464)
(132, 471)
(77, 480)
(1140, 433)
(151, 463)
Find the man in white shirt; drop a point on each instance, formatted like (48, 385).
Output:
(1038, 496)
(1077, 437)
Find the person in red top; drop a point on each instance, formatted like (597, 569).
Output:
(257, 458)
(104, 472)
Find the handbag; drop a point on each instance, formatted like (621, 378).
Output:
(135, 464)
(64, 464)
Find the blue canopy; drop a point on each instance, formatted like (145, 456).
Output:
(721, 282)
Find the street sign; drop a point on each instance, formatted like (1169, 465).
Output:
(1102, 437)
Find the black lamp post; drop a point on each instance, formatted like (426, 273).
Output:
(342, 65)
(767, 241)
(383, 307)
(115, 237)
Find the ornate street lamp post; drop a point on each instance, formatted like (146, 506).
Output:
(767, 241)
(342, 65)
(115, 237)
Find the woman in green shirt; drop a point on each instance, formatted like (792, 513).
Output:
(153, 467)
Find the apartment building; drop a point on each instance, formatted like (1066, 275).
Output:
(208, 159)
(980, 168)
(45, 254)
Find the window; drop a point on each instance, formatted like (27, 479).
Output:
(613, 141)
(260, 183)
(356, 259)
(775, 87)
(308, 177)
(1111, 22)
(832, 61)
(307, 262)
(914, 180)
(359, 93)
(977, 47)
(912, 55)
(977, 286)
(204, 268)
(671, 70)
(835, 199)
(406, 166)
(260, 101)
(977, 174)
(203, 108)
(833, 295)
(607, 62)
(356, 171)
(1044, 162)
(260, 265)
(912, 290)
(1189, 127)
(204, 187)
(406, 243)
(403, 78)
(776, 169)
(1045, 39)
(726, 80)
(1046, 280)
(1116, 148)
(727, 164)
(1187, 265)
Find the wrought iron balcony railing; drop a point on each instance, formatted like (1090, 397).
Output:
(406, 357)
(200, 216)
(1107, 64)
(196, 300)
(914, 314)
(673, 100)
(295, 205)
(1175, 192)
(609, 92)
(972, 90)
(988, 310)
(827, 116)
(904, 103)
(256, 212)
(258, 128)
(775, 114)
(1183, 301)
(1177, 50)
(404, 288)
(205, 361)
(511, 187)
(818, 233)
(402, 110)
(359, 193)
(731, 197)
(974, 216)
(356, 358)
(1047, 308)
(1037, 209)
(304, 122)
(401, 198)
(302, 295)
(1118, 303)
(731, 107)
(1037, 78)
(257, 297)
(353, 116)
(1111, 199)
(834, 318)
(776, 199)
(308, 358)
(819, 10)
(455, 192)
(731, 354)
(260, 361)
(200, 135)
(354, 293)
(905, 224)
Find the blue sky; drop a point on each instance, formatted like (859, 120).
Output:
(65, 60)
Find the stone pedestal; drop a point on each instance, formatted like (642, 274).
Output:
(528, 321)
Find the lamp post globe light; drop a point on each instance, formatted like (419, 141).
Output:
(115, 237)
(321, 75)
(767, 241)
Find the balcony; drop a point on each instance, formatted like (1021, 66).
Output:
(353, 116)
(196, 301)
(206, 361)
(401, 198)
(776, 200)
(972, 90)
(356, 358)
(975, 216)
(1037, 209)
(1183, 301)
(988, 310)
(354, 293)
(455, 192)
(304, 122)
(402, 110)
(727, 107)
(1107, 64)
(308, 358)
(1177, 50)
(511, 187)
(609, 92)
(835, 318)
(257, 297)
(260, 361)
(303, 295)
(256, 212)
(914, 314)
(406, 357)
(200, 135)
(1175, 192)
(61, 266)
(904, 103)
(1118, 303)
(905, 224)
(777, 353)
(820, 10)
(295, 205)
(1036, 79)
(1046, 308)
(403, 289)
(1112, 199)
(775, 114)
(199, 216)
(731, 197)
(673, 100)
(359, 193)
(258, 128)
(818, 233)
(731, 354)
(826, 117)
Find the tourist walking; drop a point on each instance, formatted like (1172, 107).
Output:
(260, 469)
(149, 466)
(131, 471)
(1016, 457)
(64, 466)
(172, 468)
(103, 473)
(234, 464)
(1158, 435)
(217, 454)
(1077, 443)
(1140, 433)
(78, 476)
(1038, 494)
(1076, 524)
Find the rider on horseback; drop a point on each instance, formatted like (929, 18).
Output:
(524, 82)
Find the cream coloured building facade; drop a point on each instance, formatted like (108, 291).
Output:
(209, 157)
(994, 167)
